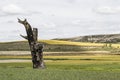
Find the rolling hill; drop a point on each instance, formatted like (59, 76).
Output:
(60, 46)
(105, 38)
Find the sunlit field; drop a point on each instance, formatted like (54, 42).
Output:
(77, 43)
(71, 43)
(100, 63)
(84, 67)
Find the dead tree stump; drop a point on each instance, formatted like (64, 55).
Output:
(35, 47)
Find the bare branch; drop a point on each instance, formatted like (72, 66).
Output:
(22, 22)
(25, 37)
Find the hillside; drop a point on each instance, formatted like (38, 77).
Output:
(49, 45)
(60, 46)
(107, 38)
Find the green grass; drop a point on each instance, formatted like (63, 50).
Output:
(92, 67)
(23, 71)
(30, 74)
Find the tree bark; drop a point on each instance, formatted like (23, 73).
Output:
(35, 47)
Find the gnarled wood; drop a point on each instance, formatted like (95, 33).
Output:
(25, 37)
(35, 47)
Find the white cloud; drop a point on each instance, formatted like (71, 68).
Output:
(71, 1)
(76, 22)
(107, 10)
(12, 9)
(49, 25)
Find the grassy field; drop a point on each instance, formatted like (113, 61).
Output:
(59, 46)
(59, 42)
(71, 43)
(92, 67)
(30, 74)
(60, 64)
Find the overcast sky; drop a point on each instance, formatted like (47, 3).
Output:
(59, 18)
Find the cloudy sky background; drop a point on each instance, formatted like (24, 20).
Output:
(59, 18)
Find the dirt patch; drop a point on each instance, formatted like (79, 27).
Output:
(27, 53)
(15, 53)
(13, 61)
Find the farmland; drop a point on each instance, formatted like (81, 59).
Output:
(90, 61)
(94, 67)
(61, 46)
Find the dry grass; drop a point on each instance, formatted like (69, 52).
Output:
(71, 43)
(59, 42)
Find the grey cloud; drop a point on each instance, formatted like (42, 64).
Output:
(8, 22)
(71, 1)
(107, 10)
(48, 25)
(13, 9)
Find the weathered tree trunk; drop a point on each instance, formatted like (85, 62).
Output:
(35, 47)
